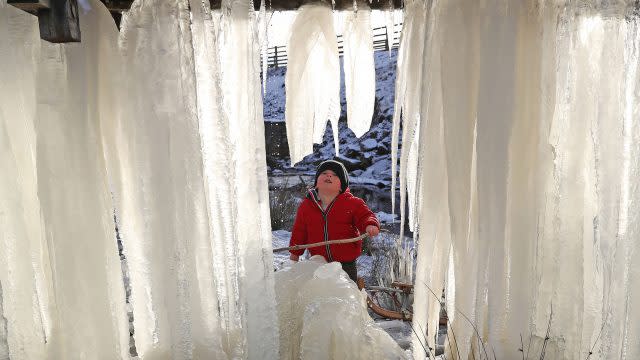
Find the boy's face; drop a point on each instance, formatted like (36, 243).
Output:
(329, 181)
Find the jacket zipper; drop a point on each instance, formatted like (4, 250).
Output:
(326, 229)
(325, 215)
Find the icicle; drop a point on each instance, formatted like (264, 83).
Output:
(24, 320)
(312, 80)
(263, 25)
(406, 102)
(62, 285)
(390, 26)
(523, 168)
(242, 105)
(4, 345)
(359, 70)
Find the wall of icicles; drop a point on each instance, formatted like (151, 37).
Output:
(521, 138)
(126, 121)
(522, 119)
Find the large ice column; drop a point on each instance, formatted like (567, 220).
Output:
(528, 145)
(458, 79)
(179, 310)
(191, 189)
(63, 295)
(22, 252)
(408, 84)
(312, 81)
(217, 274)
(242, 106)
(590, 195)
(359, 71)
(75, 202)
(617, 163)
(323, 316)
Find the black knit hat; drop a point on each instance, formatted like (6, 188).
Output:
(338, 168)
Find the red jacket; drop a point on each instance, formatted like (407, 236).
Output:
(346, 217)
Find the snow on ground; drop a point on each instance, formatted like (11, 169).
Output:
(386, 218)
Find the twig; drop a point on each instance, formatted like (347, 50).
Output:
(453, 334)
(301, 180)
(604, 322)
(546, 338)
(449, 326)
(529, 347)
(426, 340)
(477, 333)
(426, 349)
(306, 246)
(521, 346)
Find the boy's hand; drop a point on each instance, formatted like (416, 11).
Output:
(294, 257)
(372, 230)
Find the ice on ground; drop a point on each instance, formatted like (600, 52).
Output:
(312, 80)
(323, 315)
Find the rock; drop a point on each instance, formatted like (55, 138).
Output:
(369, 144)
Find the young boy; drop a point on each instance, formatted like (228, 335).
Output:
(331, 212)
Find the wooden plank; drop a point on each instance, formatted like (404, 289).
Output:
(60, 23)
(276, 5)
(31, 6)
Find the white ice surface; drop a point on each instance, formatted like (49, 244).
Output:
(529, 159)
(359, 70)
(242, 103)
(406, 104)
(323, 316)
(62, 289)
(191, 183)
(312, 80)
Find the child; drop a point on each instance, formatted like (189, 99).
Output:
(330, 212)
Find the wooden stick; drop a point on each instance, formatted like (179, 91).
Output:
(343, 241)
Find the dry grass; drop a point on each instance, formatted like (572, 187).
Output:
(283, 204)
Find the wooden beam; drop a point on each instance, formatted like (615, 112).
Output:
(60, 23)
(31, 6)
(276, 5)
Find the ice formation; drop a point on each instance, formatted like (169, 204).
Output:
(359, 70)
(192, 190)
(62, 290)
(162, 123)
(323, 316)
(410, 62)
(153, 122)
(527, 115)
(312, 80)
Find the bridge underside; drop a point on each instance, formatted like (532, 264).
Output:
(59, 18)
